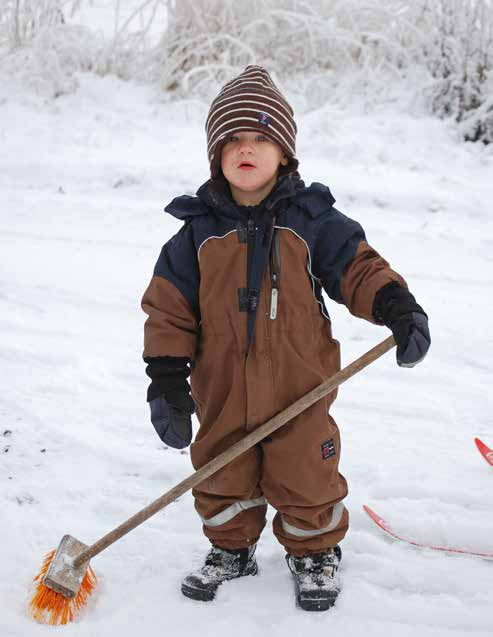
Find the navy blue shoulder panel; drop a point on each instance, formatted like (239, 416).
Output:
(316, 199)
(205, 223)
(331, 237)
(336, 244)
(179, 265)
(186, 207)
(178, 261)
(210, 226)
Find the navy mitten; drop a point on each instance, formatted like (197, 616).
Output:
(395, 307)
(173, 425)
(169, 399)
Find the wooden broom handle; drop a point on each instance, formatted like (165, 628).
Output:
(235, 450)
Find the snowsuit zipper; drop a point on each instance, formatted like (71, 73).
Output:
(252, 291)
(275, 270)
(250, 255)
(257, 255)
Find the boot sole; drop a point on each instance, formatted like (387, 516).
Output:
(316, 604)
(198, 594)
(205, 595)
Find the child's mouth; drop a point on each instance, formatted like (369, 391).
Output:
(246, 166)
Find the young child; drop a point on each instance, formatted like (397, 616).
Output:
(237, 296)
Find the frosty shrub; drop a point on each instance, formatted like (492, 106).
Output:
(459, 54)
(38, 47)
(22, 20)
(337, 51)
(42, 45)
(128, 53)
(50, 61)
(208, 41)
(334, 50)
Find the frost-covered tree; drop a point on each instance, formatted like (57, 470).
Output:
(323, 50)
(22, 20)
(40, 48)
(459, 54)
(209, 40)
(127, 54)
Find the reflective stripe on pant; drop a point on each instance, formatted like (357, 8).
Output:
(336, 517)
(233, 510)
(300, 540)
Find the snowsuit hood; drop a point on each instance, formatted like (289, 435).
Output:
(214, 197)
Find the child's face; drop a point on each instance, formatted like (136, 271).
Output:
(250, 161)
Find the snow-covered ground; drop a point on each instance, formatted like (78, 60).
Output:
(83, 181)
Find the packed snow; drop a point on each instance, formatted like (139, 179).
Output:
(83, 183)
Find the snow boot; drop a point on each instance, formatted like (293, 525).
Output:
(220, 565)
(315, 577)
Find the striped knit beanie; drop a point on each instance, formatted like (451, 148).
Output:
(249, 102)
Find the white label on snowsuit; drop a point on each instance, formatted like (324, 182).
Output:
(273, 304)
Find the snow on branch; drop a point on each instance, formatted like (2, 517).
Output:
(459, 55)
(22, 20)
(322, 50)
(39, 47)
(288, 36)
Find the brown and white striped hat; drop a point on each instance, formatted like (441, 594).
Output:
(250, 101)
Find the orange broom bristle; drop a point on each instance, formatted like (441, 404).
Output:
(49, 607)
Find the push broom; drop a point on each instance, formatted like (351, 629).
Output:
(66, 579)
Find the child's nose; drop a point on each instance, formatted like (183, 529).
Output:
(245, 145)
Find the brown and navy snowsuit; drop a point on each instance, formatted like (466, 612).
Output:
(239, 291)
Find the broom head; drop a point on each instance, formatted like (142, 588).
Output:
(62, 588)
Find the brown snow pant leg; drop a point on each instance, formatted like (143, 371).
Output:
(230, 502)
(302, 481)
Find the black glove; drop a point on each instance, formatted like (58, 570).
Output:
(170, 401)
(395, 307)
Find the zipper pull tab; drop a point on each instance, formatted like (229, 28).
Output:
(273, 304)
(251, 227)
